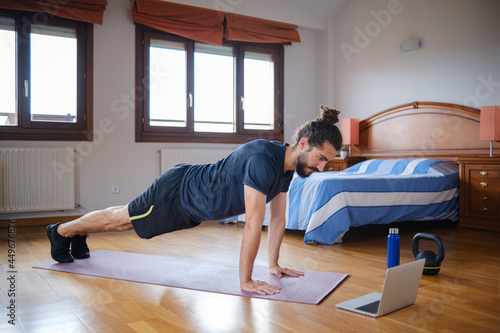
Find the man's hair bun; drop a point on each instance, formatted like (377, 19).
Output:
(329, 115)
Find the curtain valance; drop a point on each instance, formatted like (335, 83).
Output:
(191, 22)
(211, 26)
(90, 11)
(250, 29)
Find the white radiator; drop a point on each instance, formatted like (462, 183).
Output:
(36, 179)
(173, 156)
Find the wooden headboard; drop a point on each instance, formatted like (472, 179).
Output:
(423, 129)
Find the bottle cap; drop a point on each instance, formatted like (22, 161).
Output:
(394, 230)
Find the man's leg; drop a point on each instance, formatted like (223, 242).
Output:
(74, 233)
(109, 219)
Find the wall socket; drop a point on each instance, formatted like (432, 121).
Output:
(115, 189)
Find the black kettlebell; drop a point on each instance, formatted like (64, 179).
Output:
(432, 260)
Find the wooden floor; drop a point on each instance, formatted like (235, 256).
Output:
(463, 297)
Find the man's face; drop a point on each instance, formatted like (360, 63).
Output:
(314, 159)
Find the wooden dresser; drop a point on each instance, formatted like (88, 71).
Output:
(480, 192)
(339, 164)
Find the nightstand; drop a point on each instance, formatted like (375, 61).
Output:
(339, 164)
(480, 192)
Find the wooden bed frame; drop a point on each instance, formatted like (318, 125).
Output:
(423, 129)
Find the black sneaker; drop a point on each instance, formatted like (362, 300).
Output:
(59, 245)
(79, 248)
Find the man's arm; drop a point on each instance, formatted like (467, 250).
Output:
(255, 210)
(276, 230)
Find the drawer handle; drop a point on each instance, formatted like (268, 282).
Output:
(483, 198)
(483, 173)
(483, 209)
(483, 184)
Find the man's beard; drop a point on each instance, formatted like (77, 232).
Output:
(302, 165)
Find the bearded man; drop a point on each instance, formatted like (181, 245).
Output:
(257, 173)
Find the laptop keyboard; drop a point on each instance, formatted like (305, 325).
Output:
(370, 307)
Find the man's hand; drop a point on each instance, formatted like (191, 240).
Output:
(260, 287)
(279, 271)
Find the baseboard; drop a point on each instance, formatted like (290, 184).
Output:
(37, 221)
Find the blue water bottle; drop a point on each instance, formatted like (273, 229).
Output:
(393, 248)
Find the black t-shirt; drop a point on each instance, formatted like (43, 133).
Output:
(215, 191)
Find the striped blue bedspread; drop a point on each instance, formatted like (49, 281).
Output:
(327, 204)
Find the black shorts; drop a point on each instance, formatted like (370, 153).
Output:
(158, 210)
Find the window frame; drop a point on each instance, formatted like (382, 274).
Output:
(146, 133)
(28, 129)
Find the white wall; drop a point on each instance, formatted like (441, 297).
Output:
(460, 53)
(263, 9)
(300, 83)
(459, 61)
(114, 158)
(325, 67)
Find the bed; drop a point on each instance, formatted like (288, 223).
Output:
(410, 173)
(327, 204)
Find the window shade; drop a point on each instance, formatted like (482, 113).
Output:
(90, 11)
(256, 30)
(204, 25)
(211, 26)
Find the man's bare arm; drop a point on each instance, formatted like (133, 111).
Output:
(276, 230)
(255, 209)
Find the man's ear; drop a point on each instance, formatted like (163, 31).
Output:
(303, 143)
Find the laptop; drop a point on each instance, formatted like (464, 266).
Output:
(400, 290)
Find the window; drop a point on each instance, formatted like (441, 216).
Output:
(191, 91)
(259, 88)
(44, 93)
(214, 74)
(8, 111)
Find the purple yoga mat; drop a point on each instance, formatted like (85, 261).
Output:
(198, 275)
